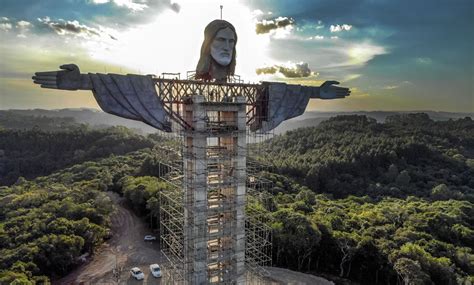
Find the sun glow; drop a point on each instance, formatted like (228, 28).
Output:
(362, 53)
(172, 42)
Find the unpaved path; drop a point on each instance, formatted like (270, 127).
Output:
(285, 276)
(126, 249)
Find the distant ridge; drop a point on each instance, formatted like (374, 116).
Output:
(92, 117)
(314, 118)
(99, 119)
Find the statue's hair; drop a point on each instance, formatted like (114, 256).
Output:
(205, 61)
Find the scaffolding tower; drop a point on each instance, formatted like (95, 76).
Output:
(211, 231)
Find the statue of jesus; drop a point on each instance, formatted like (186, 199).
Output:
(134, 96)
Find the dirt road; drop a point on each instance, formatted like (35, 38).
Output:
(126, 249)
(285, 276)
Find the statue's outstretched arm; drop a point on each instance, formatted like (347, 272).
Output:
(69, 78)
(328, 91)
(128, 96)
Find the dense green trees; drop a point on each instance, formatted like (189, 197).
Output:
(374, 241)
(373, 203)
(32, 153)
(396, 200)
(295, 238)
(142, 193)
(48, 225)
(354, 155)
(12, 120)
(48, 222)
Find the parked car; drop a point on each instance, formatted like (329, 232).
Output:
(155, 270)
(149, 238)
(137, 273)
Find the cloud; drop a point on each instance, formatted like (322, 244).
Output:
(362, 53)
(257, 13)
(356, 92)
(23, 27)
(267, 70)
(319, 25)
(129, 4)
(333, 59)
(310, 26)
(317, 37)
(60, 27)
(301, 70)
(340, 28)
(136, 5)
(23, 24)
(292, 71)
(266, 26)
(350, 77)
(63, 28)
(424, 60)
(5, 26)
(395, 86)
(175, 7)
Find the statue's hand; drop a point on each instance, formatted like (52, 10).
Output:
(328, 91)
(69, 78)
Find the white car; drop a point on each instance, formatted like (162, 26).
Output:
(137, 273)
(149, 238)
(155, 270)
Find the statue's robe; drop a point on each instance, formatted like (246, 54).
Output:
(132, 97)
(135, 97)
(284, 102)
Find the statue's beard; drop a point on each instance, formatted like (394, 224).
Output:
(222, 59)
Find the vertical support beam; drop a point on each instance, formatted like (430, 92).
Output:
(195, 194)
(240, 192)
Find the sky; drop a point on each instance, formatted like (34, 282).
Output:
(394, 55)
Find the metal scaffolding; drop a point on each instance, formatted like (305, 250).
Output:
(258, 251)
(175, 93)
(212, 229)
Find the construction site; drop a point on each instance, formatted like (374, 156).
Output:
(211, 231)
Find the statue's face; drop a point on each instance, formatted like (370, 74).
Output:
(222, 46)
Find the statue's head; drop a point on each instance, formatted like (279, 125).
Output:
(217, 51)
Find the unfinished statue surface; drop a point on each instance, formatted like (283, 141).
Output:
(135, 96)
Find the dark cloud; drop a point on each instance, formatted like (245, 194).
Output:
(175, 7)
(46, 25)
(62, 27)
(267, 70)
(267, 26)
(107, 14)
(299, 70)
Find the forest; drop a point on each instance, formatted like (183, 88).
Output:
(375, 203)
(352, 200)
